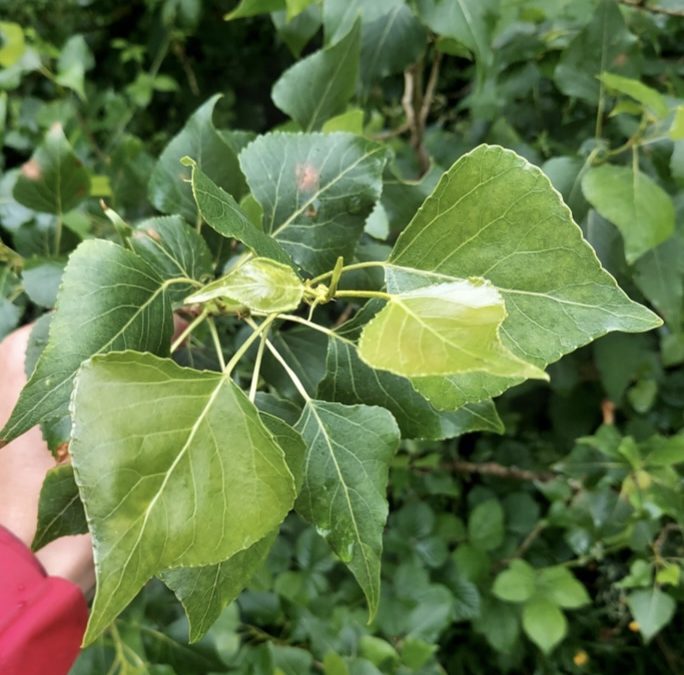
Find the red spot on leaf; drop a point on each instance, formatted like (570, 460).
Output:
(32, 170)
(62, 453)
(308, 177)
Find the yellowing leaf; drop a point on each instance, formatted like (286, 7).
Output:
(260, 284)
(443, 329)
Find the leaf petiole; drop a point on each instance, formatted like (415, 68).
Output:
(259, 329)
(257, 366)
(188, 330)
(217, 342)
(281, 360)
(348, 268)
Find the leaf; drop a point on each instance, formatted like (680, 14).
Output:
(350, 121)
(659, 274)
(486, 526)
(175, 481)
(74, 59)
(319, 86)
(248, 8)
(12, 41)
(41, 278)
(169, 189)
(392, 37)
(316, 191)
(544, 624)
(222, 213)
(558, 585)
(173, 249)
(604, 44)
(450, 326)
(106, 286)
(343, 493)
(54, 179)
(60, 511)
(640, 92)
(349, 380)
(259, 284)
(676, 132)
(205, 591)
(639, 208)
(515, 584)
(461, 20)
(500, 625)
(494, 215)
(652, 609)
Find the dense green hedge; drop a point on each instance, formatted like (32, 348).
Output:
(543, 535)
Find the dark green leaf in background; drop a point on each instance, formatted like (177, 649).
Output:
(54, 180)
(316, 191)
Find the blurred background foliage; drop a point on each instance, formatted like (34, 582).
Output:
(555, 547)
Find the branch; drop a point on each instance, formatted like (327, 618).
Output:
(639, 4)
(499, 470)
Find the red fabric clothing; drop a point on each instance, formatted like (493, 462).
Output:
(42, 619)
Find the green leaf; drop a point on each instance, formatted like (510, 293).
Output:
(544, 623)
(350, 121)
(169, 189)
(222, 213)
(349, 380)
(205, 591)
(652, 610)
(247, 8)
(499, 623)
(486, 526)
(345, 481)
(41, 278)
(639, 208)
(60, 511)
(316, 191)
(318, 87)
(392, 37)
(447, 327)
(659, 274)
(640, 92)
(494, 215)
(12, 43)
(173, 249)
(603, 44)
(74, 59)
(461, 20)
(677, 129)
(186, 506)
(515, 584)
(54, 179)
(558, 585)
(106, 286)
(259, 284)
(665, 451)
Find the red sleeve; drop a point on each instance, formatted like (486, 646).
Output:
(42, 619)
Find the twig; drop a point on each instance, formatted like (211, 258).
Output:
(430, 89)
(499, 470)
(639, 4)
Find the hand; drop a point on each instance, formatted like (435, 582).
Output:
(25, 462)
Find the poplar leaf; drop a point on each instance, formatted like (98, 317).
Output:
(494, 215)
(259, 284)
(191, 485)
(345, 480)
(54, 180)
(316, 191)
